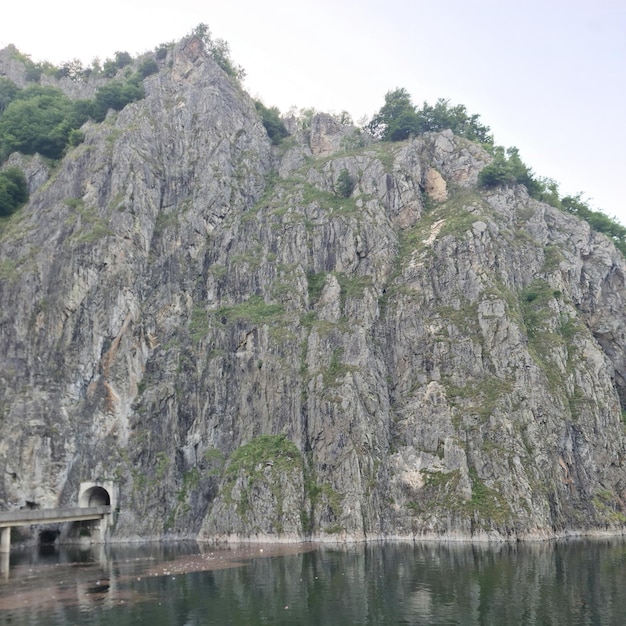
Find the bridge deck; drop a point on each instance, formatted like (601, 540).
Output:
(27, 517)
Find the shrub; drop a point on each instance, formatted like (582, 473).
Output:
(345, 184)
(271, 121)
(399, 118)
(38, 120)
(147, 67)
(116, 95)
(111, 66)
(8, 91)
(219, 51)
(13, 190)
(161, 50)
(507, 168)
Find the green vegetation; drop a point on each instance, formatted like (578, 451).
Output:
(219, 51)
(253, 310)
(345, 184)
(44, 120)
(315, 284)
(112, 66)
(399, 118)
(609, 505)
(271, 121)
(8, 91)
(275, 449)
(486, 502)
(269, 459)
(507, 169)
(596, 219)
(38, 119)
(337, 369)
(13, 190)
(535, 310)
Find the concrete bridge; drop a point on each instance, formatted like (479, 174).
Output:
(96, 501)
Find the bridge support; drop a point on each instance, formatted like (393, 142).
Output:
(5, 540)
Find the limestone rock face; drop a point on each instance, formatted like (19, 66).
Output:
(327, 134)
(251, 347)
(435, 186)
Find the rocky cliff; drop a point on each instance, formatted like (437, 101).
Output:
(328, 338)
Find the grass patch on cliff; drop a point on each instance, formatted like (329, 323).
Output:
(607, 505)
(550, 334)
(198, 324)
(275, 450)
(269, 459)
(439, 493)
(486, 504)
(352, 286)
(315, 284)
(480, 396)
(91, 227)
(254, 310)
(8, 269)
(337, 370)
(536, 312)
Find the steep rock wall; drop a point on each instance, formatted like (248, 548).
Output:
(210, 322)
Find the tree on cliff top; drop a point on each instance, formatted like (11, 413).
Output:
(398, 119)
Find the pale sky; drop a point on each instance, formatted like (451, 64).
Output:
(547, 76)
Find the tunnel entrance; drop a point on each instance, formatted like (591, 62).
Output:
(95, 496)
(48, 537)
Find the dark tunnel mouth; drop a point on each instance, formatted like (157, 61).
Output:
(96, 496)
(48, 537)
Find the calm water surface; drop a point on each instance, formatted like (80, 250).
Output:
(568, 583)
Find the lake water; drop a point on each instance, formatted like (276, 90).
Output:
(564, 583)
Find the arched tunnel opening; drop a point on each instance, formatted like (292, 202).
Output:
(95, 496)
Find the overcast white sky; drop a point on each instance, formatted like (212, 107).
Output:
(547, 76)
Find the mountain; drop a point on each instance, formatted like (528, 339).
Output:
(332, 337)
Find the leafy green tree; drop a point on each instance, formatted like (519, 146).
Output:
(508, 168)
(162, 50)
(38, 120)
(271, 121)
(111, 66)
(397, 119)
(116, 95)
(442, 116)
(345, 184)
(8, 91)
(219, 50)
(73, 70)
(13, 190)
(147, 67)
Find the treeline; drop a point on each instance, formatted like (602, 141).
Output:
(44, 120)
(399, 118)
(507, 168)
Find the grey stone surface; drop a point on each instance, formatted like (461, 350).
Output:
(178, 288)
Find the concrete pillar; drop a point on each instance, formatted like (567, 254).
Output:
(4, 564)
(5, 539)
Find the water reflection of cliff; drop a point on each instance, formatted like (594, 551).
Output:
(558, 584)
